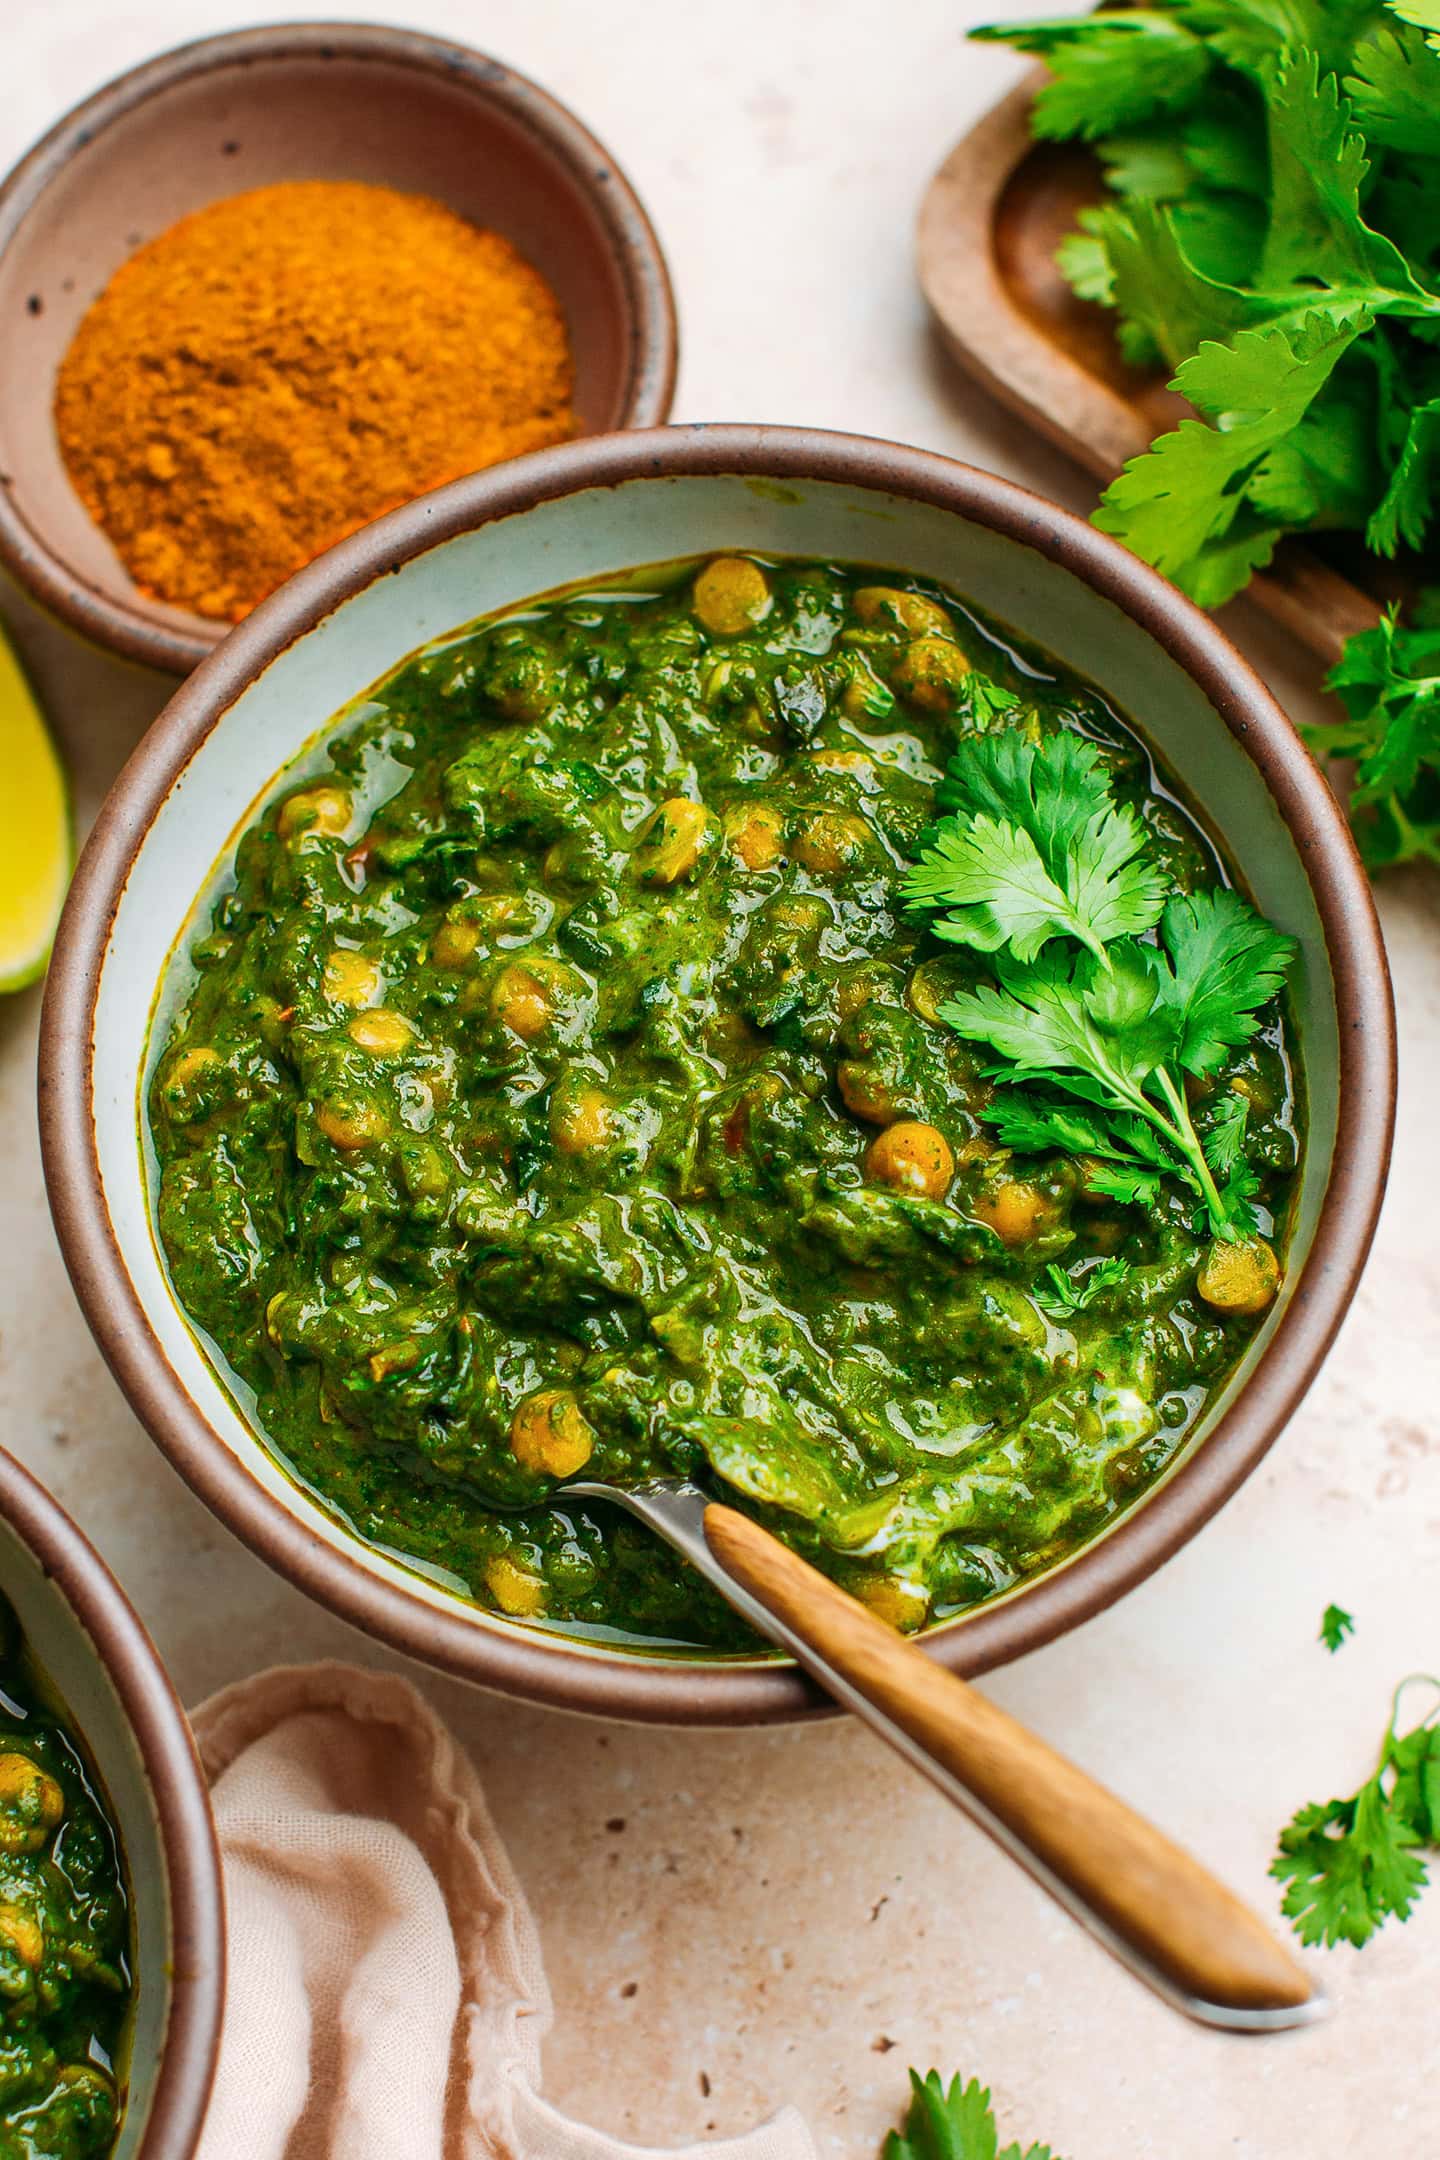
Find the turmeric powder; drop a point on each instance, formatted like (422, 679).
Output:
(281, 367)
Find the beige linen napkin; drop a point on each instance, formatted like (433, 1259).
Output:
(386, 1995)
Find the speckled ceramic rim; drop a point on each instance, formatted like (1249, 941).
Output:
(150, 637)
(674, 1691)
(195, 1953)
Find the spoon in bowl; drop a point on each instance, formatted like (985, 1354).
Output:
(1152, 1906)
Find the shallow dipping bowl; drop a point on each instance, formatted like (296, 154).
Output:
(296, 101)
(83, 1635)
(585, 512)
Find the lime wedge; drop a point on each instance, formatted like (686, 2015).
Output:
(36, 854)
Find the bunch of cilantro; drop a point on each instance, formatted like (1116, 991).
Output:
(1273, 241)
(1110, 990)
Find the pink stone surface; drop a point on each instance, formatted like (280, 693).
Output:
(734, 1921)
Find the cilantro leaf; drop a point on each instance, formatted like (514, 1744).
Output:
(1254, 35)
(1405, 510)
(1395, 90)
(1424, 14)
(1318, 165)
(1335, 1625)
(1350, 1865)
(1107, 72)
(1036, 848)
(1183, 504)
(1416, 1792)
(1166, 304)
(1388, 680)
(1224, 963)
(1065, 1293)
(953, 2124)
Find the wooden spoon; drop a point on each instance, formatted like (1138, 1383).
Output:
(1152, 1906)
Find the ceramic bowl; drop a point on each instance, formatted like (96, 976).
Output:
(585, 511)
(85, 1637)
(311, 101)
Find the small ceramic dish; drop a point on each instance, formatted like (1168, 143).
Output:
(86, 1640)
(313, 101)
(582, 512)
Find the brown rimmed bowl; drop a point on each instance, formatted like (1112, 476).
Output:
(579, 513)
(84, 1636)
(296, 101)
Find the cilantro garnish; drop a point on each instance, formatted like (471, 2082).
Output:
(1335, 1625)
(1065, 1293)
(1037, 857)
(1121, 1034)
(953, 2124)
(1271, 236)
(1037, 849)
(1349, 1865)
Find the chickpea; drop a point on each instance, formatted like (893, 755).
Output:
(930, 987)
(672, 846)
(382, 1032)
(883, 607)
(550, 1433)
(351, 1125)
(32, 1806)
(757, 835)
(911, 1157)
(350, 978)
(861, 986)
(929, 672)
(322, 811)
(1239, 1278)
(1014, 1210)
(864, 1093)
(515, 1590)
(520, 1001)
(901, 1604)
(732, 594)
(23, 1933)
(185, 1093)
(582, 1122)
(830, 842)
(453, 945)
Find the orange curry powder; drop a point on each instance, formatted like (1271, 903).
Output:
(283, 366)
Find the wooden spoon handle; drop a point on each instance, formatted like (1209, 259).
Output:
(1146, 1898)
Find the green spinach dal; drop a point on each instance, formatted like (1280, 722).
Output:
(64, 1930)
(606, 1058)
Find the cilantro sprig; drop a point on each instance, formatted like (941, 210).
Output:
(1270, 236)
(1037, 858)
(1039, 849)
(953, 2123)
(1335, 1625)
(1350, 1865)
(1065, 1292)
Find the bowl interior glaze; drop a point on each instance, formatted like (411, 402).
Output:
(554, 521)
(299, 102)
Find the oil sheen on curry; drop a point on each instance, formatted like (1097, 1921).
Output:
(562, 1084)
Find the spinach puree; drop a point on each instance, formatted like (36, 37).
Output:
(64, 1931)
(560, 1086)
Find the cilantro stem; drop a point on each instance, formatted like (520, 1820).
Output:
(1188, 1141)
(1177, 1129)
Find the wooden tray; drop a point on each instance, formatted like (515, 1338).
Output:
(989, 226)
